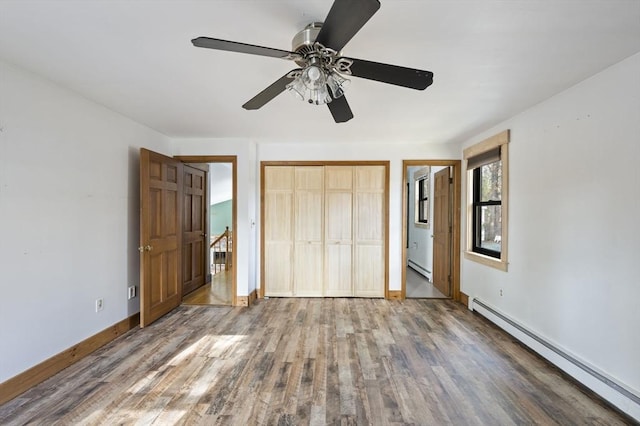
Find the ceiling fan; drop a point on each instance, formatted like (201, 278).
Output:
(316, 50)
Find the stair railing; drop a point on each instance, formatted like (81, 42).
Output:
(221, 249)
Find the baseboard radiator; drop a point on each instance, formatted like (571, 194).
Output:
(619, 395)
(419, 269)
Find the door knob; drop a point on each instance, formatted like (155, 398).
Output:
(148, 248)
(140, 249)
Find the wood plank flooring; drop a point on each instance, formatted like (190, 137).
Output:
(217, 292)
(316, 362)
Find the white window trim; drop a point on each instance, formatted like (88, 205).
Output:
(500, 140)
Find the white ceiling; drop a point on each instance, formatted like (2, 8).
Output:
(491, 60)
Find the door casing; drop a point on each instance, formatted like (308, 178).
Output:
(455, 211)
(233, 159)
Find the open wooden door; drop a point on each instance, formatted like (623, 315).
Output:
(195, 247)
(442, 233)
(160, 235)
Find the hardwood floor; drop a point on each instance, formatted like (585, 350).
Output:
(217, 292)
(312, 361)
(418, 287)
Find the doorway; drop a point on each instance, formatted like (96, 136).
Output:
(220, 288)
(431, 228)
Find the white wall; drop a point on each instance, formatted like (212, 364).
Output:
(574, 223)
(251, 153)
(69, 209)
(394, 152)
(220, 182)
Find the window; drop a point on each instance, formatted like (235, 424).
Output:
(422, 196)
(422, 192)
(487, 209)
(487, 173)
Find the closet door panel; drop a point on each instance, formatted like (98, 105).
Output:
(369, 236)
(278, 216)
(369, 271)
(370, 178)
(339, 231)
(277, 269)
(338, 270)
(369, 216)
(308, 216)
(278, 178)
(339, 216)
(308, 270)
(278, 231)
(308, 219)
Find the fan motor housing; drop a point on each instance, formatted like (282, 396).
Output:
(302, 42)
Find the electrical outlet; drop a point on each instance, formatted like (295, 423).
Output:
(99, 304)
(132, 292)
(500, 292)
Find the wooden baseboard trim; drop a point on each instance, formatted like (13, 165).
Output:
(49, 367)
(247, 300)
(464, 299)
(252, 297)
(395, 295)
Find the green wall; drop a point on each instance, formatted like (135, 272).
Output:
(220, 215)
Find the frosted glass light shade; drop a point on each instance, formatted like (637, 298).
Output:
(337, 84)
(311, 86)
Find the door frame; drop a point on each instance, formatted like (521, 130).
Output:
(233, 159)
(456, 174)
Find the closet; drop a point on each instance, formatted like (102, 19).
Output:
(324, 230)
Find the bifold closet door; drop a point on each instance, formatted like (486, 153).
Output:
(369, 238)
(278, 230)
(308, 219)
(339, 231)
(324, 232)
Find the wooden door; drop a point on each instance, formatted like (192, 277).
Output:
(195, 249)
(442, 232)
(278, 230)
(308, 220)
(369, 238)
(160, 235)
(338, 231)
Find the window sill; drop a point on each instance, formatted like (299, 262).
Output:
(500, 264)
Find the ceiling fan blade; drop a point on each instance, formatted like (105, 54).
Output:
(391, 74)
(234, 46)
(344, 20)
(259, 100)
(340, 110)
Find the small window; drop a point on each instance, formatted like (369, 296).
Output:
(487, 209)
(487, 174)
(422, 196)
(422, 193)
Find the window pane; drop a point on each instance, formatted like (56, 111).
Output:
(491, 182)
(424, 210)
(490, 228)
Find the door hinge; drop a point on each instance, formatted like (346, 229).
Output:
(450, 180)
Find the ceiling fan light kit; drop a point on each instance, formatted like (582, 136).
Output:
(316, 49)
